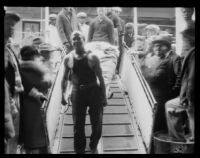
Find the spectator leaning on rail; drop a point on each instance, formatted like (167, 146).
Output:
(12, 76)
(66, 23)
(83, 27)
(185, 101)
(85, 69)
(101, 28)
(36, 83)
(163, 77)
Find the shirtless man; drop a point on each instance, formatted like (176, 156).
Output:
(84, 69)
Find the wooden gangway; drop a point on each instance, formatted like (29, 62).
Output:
(127, 120)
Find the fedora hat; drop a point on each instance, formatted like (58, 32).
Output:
(163, 38)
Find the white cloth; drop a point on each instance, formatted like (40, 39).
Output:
(108, 55)
(84, 28)
(53, 37)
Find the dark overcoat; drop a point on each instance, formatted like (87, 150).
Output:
(32, 132)
(164, 82)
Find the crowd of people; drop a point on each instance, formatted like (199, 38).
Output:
(28, 76)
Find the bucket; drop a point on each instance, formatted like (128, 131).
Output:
(162, 145)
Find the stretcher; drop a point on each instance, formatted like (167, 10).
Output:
(108, 57)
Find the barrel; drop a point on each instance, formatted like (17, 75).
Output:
(163, 145)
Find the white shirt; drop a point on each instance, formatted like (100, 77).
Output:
(53, 37)
(84, 28)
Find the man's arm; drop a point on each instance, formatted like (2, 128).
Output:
(98, 71)
(110, 29)
(177, 71)
(65, 79)
(60, 27)
(91, 32)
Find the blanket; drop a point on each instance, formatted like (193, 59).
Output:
(108, 55)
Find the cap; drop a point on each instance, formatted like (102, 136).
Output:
(153, 27)
(46, 47)
(81, 15)
(12, 15)
(164, 39)
(52, 16)
(129, 25)
(117, 9)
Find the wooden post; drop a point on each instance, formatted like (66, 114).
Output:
(179, 28)
(46, 23)
(135, 21)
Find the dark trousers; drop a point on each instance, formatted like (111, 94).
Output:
(80, 100)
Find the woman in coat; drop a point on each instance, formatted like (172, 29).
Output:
(36, 84)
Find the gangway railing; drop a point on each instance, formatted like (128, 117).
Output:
(51, 106)
(142, 100)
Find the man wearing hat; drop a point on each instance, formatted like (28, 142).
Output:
(52, 32)
(84, 28)
(12, 76)
(164, 77)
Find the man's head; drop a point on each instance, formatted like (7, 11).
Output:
(10, 19)
(140, 43)
(161, 45)
(29, 53)
(82, 17)
(52, 19)
(129, 28)
(189, 35)
(78, 40)
(101, 11)
(36, 42)
(187, 13)
(117, 10)
(152, 30)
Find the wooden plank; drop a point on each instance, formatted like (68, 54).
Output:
(115, 89)
(116, 119)
(120, 143)
(117, 95)
(108, 130)
(117, 130)
(108, 110)
(122, 152)
(67, 145)
(114, 85)
(107, 119)
(116, 102)
(115, 110)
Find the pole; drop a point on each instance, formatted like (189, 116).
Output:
(179, 28)
(135, 22)
(46, 23)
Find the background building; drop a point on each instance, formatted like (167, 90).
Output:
(33, 18)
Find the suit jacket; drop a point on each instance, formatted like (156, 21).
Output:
(165, 79)
(65, 26)
(128, 39)
(187, 77)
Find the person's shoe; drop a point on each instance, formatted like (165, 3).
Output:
(94, 151)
